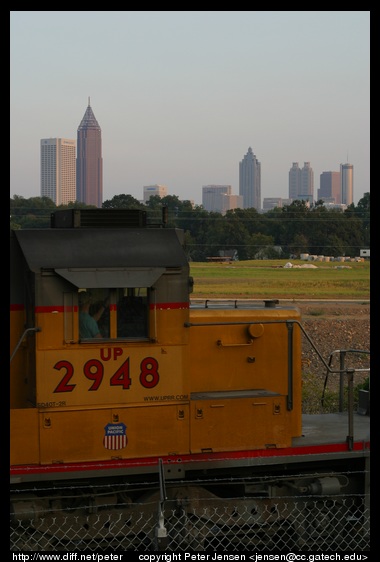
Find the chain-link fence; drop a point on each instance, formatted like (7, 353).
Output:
(192, 521)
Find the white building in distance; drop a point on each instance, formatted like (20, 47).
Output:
(151, 190)
(58, 170)
(347, 183)
(219, 199)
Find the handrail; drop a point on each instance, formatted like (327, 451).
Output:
(36, 329)
(342, 357)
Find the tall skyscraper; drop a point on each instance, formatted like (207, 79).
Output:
(347, 183)
(307, 183)
(301, 182)
(89, 160)
(294, 181)
(250, 181)
(329, 187)
(58, 177)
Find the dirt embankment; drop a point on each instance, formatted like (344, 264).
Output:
(337, 327)
(334, 327)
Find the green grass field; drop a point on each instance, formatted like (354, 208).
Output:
(256, 279)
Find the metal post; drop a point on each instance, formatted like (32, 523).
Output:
(161, 533)
(350, 436)
(342, 360)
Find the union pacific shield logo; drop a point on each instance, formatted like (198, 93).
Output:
(115, 436)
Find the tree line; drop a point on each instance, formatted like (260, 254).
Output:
(282, 232)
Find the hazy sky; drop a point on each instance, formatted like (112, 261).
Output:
(181, 96)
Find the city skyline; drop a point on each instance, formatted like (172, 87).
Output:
(58, 177)
(180, 96)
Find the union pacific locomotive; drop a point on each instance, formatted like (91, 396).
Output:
(128, 399)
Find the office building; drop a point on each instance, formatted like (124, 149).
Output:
(250, 181)
(294, 181)
(307, 183)
(271, 203)
(301, 182)
(220, 199)
(286, 202)
(151, 190)
(230, 202)
(347, 183)
(211, 195)
(58, 175)
(329, 190)
(89, 160)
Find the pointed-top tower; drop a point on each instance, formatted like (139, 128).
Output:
(89, 160)
(250, 181)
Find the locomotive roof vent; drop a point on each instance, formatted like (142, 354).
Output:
(98, 218)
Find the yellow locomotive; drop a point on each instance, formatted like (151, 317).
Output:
(116, 376)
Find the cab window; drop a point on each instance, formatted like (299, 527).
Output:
(114, 313)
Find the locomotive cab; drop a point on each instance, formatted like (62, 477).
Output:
(135, 281)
